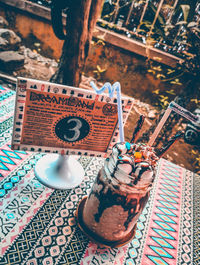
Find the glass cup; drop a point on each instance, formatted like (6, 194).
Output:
(120, 191)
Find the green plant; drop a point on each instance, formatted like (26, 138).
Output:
(99, 71)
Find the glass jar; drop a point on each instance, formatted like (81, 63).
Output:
(117, 199)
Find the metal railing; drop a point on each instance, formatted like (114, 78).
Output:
(162, 24)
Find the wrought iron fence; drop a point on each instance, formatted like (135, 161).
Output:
(163, 24)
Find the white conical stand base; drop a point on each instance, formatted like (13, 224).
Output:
(59, 172)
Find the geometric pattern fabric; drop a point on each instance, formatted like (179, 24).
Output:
(164, 228)
(37, 224)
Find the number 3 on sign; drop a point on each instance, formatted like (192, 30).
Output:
(76, 130)
(72, 129)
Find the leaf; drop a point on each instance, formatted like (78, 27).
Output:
(186, 10)
(189, 54)
(160, 75)
(181, 22)
(171, 92)
(192, 24)
(102, 70)
(196, 29)
(100, 42)
(184, 37)
(103, 25)
(99, 69)
(163, 98)
(157, 68)
(150, 41)
(167, 6)
(145, 22)
(157, 58)
(37, 44)
(140, 2)
(176, 82)
(169, 26)
(169, 71)
(156, 91)
(148, 26)
(166, 103)
(194, 152)
(195, 100)
(151, 71)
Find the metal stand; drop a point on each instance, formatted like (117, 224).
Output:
(59, 171)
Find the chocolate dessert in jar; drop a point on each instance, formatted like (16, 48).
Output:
(120, 192)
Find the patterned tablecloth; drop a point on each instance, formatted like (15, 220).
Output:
(38, 226)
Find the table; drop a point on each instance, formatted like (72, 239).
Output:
(38, 225)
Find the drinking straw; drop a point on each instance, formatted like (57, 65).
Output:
(99, 91)
(117, 87)
(178, 109)
(159, 126)
(183, 112)
(171, 141)
(111, 89)
(137, 128)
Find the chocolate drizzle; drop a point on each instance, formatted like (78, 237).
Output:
(141, 171)
(131, 213)
(109, 197)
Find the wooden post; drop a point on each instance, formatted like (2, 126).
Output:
(81, 20)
